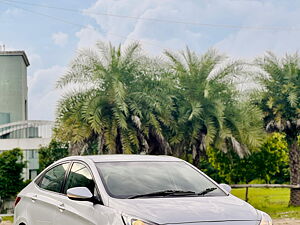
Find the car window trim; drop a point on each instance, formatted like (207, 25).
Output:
(37, 180)
(93, 177)
(65, 178)
(41, 176)
(208, 178)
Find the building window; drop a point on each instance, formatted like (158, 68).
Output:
(32, 174)
(31, 154)
(26, 110)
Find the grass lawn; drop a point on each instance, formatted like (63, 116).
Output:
(273, 201)
(8, 218)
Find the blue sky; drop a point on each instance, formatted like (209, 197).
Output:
(50, 43)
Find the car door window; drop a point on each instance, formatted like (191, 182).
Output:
(80, 176)
(53, 179)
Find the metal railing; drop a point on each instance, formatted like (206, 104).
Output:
(21, 129)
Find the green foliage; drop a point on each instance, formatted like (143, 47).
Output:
(231, 167)
(209, 111)
(54, 151)
(279, 100)
(129, 103)
(269, 163)
(207, 168)
(11, 167)
(280, 79)
(123, 102)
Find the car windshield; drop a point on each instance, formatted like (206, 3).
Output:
(144, 179)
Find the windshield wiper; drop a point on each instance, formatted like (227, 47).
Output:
(206, 191)
(165, 193)
(174, 193)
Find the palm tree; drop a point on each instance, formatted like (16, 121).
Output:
(121, 101)
(279, 100)
(209, 111)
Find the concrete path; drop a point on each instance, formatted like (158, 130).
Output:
(286, 222)
(6, 223)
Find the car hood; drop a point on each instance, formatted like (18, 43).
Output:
(187, 209)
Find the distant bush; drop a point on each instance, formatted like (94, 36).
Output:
(270, 163)
(11, 168)
(54, 151)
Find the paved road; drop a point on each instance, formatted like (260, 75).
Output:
(286, 222)
(5, 223)
(276, 222)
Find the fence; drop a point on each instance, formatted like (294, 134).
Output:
(247, 186)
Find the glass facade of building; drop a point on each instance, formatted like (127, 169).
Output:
(29, 136)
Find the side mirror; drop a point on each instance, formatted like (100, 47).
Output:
(226, 187)
(80, 194)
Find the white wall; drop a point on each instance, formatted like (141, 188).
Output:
(29, 143)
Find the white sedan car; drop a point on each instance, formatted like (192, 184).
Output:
(130, 190)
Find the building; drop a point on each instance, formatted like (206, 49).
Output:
(13, 86)
(16, 131)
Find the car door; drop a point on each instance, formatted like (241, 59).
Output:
(44, 206)
(80, 212)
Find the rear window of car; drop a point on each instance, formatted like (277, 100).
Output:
(53, 179)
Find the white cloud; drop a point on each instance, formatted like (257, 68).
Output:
(13, 12)
(60, 38)
(155, 35)
(250, 44)
(88, 36)
(43, 95)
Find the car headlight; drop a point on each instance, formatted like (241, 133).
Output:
(129, 220)
(265, 219)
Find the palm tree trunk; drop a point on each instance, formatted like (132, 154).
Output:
(294, 156)
(101, 141)
(178, 150)
(84, 148)
(198, 149)
(143, 144)
(75, 148)
(158, 144)
(119, 147)
(196, 156)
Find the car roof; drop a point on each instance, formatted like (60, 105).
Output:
(124, 158)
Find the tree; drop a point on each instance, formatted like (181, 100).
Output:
(279, 100)
(209, 110)
(54, 151)
(11, 168)
(122, 102)
(268, 163)
(271, 160)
